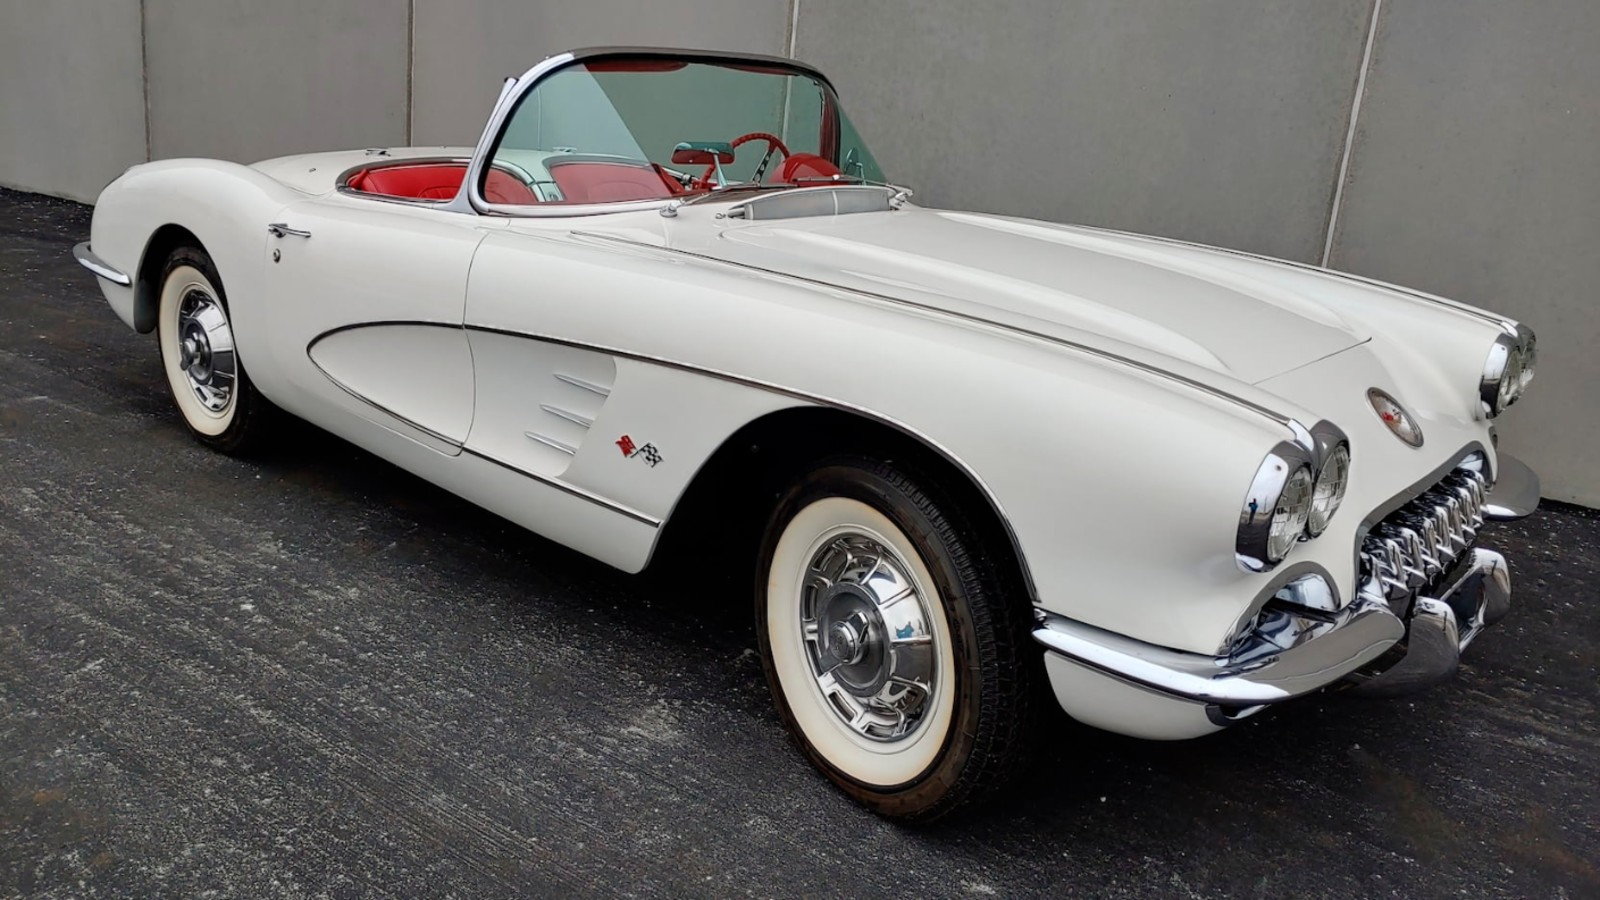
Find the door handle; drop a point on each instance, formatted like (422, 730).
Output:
(279, 229)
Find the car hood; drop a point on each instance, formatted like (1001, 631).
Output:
(1068, 283)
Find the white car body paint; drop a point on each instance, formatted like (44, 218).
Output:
(1112, 395)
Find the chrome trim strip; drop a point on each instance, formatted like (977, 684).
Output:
(1334, 274)
(569, 415)
(577, 382)
(563, 446)
(569, 488)
(1088, 349)
(98, 266)
(1515, 492)
(409, 423)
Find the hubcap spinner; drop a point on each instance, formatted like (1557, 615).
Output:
(205, 349)
(868, 637)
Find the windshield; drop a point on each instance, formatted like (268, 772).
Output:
(647, 128)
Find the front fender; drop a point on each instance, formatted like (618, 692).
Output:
(224, 205)
(1122, 487)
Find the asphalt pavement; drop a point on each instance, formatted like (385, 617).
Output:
(313, 674)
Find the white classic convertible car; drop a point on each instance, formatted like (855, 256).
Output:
(966, 460)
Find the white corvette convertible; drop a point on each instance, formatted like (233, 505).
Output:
(967, 461)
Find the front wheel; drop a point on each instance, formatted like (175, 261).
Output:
(219, 404)
(895, 654)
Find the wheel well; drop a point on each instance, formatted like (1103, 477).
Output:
(147, 283)
(734, 492)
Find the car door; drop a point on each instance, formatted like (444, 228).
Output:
(368, 302)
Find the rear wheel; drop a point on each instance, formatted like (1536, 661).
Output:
(895, 654)
(219, 404)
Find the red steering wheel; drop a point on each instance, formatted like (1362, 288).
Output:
(774, 144)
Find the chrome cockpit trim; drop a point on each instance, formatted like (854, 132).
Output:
(87, 258)
(470, 200)
(1299, 431)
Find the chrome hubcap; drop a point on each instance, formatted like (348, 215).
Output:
(205, 349)
(868, 637)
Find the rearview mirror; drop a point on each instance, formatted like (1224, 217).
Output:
(702, 153)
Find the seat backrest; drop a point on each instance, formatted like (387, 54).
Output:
(805, 165)
(425, 181)
(586, 181)
(438, 181)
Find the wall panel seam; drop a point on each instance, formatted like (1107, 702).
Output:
(411, 69)
(144, 80)
(1350, 134)
(794, 26)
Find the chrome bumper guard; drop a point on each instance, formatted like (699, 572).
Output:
(1425, 595)
(1475, 595)
(98, 266)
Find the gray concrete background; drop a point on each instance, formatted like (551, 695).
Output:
(1138, 115)
(246, 80)
(71, 94)
(1472, 169)
(465, 48)
(1476, 174)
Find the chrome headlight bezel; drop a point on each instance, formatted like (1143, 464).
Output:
(1260, 509)
(1311, 451)
(1507, 369)
(1332, 450)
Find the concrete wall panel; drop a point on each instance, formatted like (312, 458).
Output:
(71, 94)
(247, 80)
(1476, 175)
(1216, 122)
(465, 49)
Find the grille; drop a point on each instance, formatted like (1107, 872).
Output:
(1414, 546)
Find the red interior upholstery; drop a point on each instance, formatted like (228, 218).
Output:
(585, 181)
(503, 187)
(805, 165)
(426, 181)
(437, 181)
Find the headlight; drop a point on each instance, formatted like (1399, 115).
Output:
(1507, 371)
(1275, 509)
(1328, 492)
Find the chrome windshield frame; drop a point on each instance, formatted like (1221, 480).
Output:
(470, 200)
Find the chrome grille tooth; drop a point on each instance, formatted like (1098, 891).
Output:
(1457, 528)
(1425, 537)
(1443, 546)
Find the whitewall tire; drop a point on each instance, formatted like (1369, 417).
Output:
(208, 381)
(895, 653)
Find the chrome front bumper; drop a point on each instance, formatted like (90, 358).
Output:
(1115, 682)
(1380, 644)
